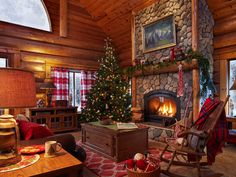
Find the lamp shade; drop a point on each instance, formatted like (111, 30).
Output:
(17, 88)
(233, 87)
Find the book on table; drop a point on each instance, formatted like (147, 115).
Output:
(130, 125)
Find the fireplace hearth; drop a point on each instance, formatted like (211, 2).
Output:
(161, 106)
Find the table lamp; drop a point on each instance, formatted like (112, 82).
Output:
(17, 90)
(48, 85)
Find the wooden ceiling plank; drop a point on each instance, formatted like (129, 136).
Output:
(144, 5)
(96, 5)
(87, 3)
(101, 11)
(115, 19)
(75, 3)
(118, 4)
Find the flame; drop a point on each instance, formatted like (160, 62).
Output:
(170, 109)
(166, 110)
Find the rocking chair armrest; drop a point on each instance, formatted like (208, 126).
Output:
(198, 133)
(183, 134)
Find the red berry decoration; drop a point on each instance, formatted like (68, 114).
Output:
(141, 164)
(130, 163)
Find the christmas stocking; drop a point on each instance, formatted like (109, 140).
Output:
(180, 91)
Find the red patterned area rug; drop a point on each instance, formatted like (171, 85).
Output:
(104, 167)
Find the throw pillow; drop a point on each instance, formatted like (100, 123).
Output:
(22, 117)
(197, 142)
(30, 130)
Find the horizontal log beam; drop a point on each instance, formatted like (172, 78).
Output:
(58, 60)
(51, 38)
(225, 40)
(40, 47)
(225, 25)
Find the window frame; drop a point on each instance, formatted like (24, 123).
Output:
(30, 27)
(74, 90)
(6, 61)
(228, 83)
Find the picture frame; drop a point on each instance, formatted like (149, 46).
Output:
(159, 34)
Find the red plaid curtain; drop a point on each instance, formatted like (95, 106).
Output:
(88, 78)
(60, 77)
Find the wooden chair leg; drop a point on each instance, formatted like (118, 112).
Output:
(164, 150)
(170, 163)
(198, 166)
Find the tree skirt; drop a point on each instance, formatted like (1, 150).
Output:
(105, 167)
(26, 160)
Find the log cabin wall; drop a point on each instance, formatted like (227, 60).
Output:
(224, 41)
(37, 50)
(115, 18)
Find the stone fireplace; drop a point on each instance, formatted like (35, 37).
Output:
(161, 106)
(156, 95)
(154, 90)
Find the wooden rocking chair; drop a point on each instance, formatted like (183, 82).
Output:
(193, 144)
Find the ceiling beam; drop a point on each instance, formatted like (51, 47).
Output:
(63, 18)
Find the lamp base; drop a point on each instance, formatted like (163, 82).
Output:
(9, 136)
(49, 99)
(9, 159)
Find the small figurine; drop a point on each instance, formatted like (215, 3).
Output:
(40, 103)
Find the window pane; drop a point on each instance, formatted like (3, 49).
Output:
(232, 93)
(71, 87)
(75, 87)
(30, 13)
(77, 90)
(3, 62)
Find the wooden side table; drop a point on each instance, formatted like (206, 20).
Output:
(63, 165)
(231, 121)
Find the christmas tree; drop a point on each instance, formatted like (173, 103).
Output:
(109, 97)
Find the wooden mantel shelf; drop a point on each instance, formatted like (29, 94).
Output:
(153, 69)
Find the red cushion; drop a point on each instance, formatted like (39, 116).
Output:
(30, 130)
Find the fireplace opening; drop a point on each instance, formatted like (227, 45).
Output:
(161, 106)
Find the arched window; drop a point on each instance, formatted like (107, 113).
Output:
(30, 13)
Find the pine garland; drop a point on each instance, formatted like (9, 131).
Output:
(203, 64)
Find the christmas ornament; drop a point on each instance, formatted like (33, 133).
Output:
(139, 156)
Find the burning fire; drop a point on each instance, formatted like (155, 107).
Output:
(166, 110)
(163, 107)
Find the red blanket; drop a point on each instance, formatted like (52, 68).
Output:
(219, 134)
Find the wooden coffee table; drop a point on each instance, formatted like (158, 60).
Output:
(115, 144)
(63, 165)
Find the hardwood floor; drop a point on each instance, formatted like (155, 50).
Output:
(224, 164)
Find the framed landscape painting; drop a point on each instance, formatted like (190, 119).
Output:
(159, 34)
